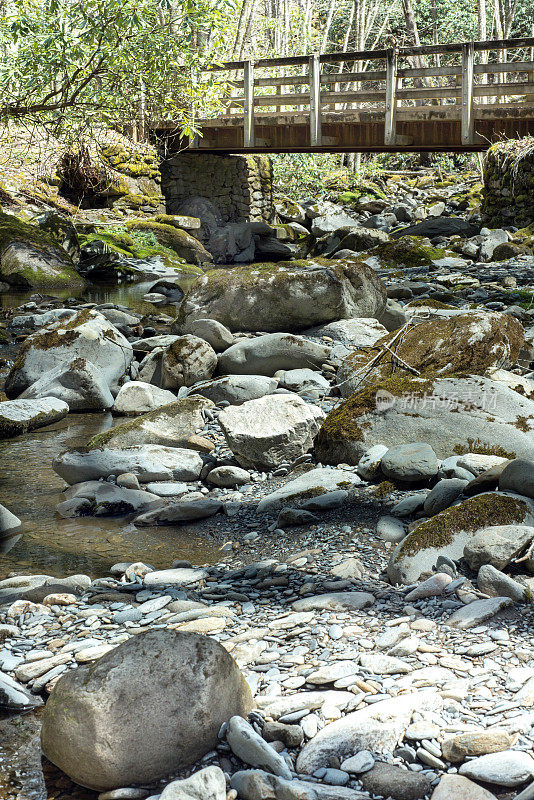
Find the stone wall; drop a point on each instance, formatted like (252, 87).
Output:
(240, 186)
(508, 192)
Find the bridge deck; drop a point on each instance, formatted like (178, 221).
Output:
(472, 94)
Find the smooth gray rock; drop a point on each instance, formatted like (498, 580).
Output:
(235, 389)
(8, 521)
(443, 495)
(228, 476)
(187, 510)
(216, 334)
(410, 463)
(356, 332)
(14, 697)
(255, 784)
(180, 576)
(335, 601)
(187, 685)
(149, 462)
(498, 545)
(252, 749)
(390, 529)
(265, 355)
(377, 728)
(518, 476)
(507, 768)
(303, 380)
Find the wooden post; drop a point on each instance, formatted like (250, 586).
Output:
(530, 97)
(315, 100)
(248, 104)
(390, 128)
(468, 119)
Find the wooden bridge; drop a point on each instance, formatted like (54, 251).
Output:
(446, 97)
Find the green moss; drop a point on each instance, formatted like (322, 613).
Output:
(408, 251)
(476, 446)
(443, 347)
(345, 422)
(478, 512)
(429, 302)
(384, 489)
(13, 231)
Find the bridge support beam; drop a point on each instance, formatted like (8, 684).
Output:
(237, 188)
(468, 70)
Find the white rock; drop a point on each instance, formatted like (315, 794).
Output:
(261, 433)
(138, 397)
(249, 746)
(207, 784)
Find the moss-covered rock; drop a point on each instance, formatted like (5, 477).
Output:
(467, 343)
(454, 415)
(111, 254)
(408, 251)
(87, 335)
(179, 241)
(172, 425)
(451, 530)
(286, 296)
(30, 259)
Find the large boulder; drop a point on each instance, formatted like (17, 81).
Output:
(182, 243)
(450, 532)
(80, 384)
(187, 360)
(171, 425)
(265, 355)
(452, 415)
(30, 259)
(472, 342)
(147, 462)
(87, 335)
(180, 686)
(20, 416)
(262, 433)
(287, 296)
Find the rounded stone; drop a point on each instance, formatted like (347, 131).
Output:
(148, 708)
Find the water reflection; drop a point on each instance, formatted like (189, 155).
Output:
(31, 490)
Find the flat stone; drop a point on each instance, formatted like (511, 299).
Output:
(335, 601)
(507, 768)
(477, 612)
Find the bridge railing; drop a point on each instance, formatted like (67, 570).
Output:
(392, 82)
